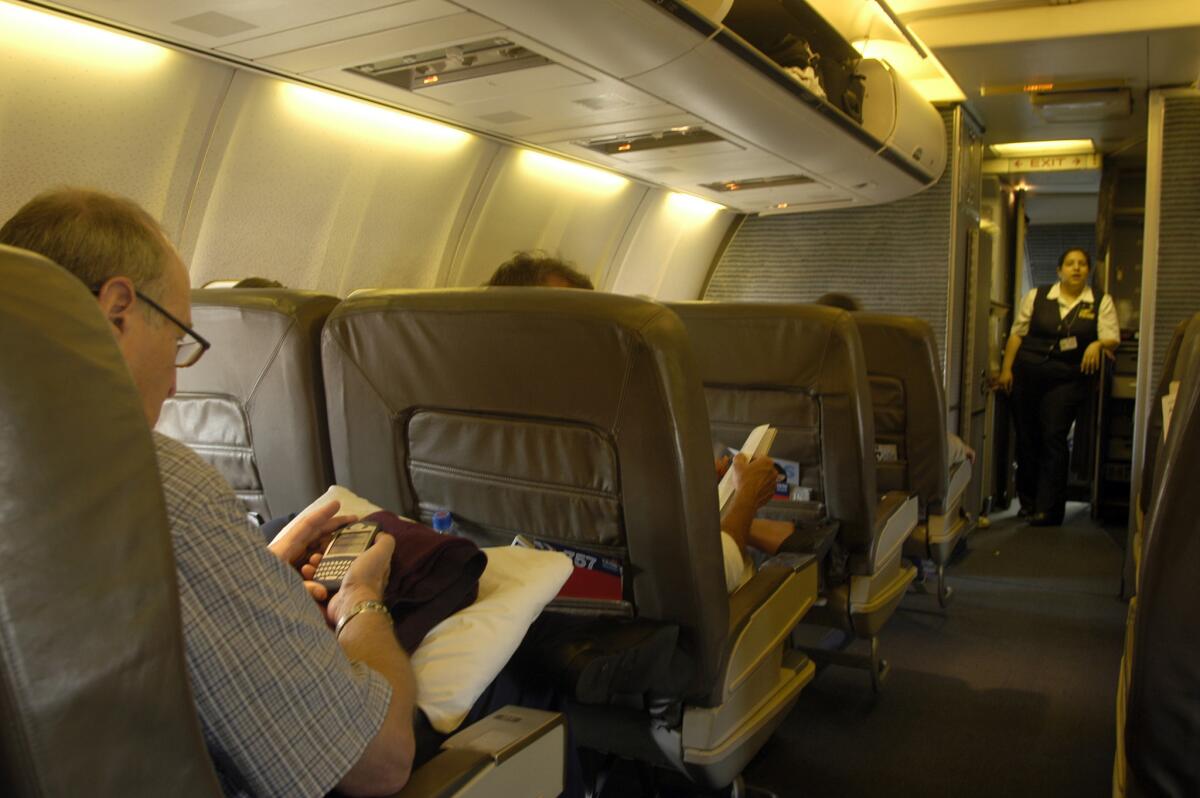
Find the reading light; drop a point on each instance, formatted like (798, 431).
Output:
(357, 117)
(571, 173)
(693, 207)
(48, 35)
(1019, 149)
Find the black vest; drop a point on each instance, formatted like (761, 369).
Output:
(1047, 330)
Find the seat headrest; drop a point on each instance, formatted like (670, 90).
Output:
(904, 349)
(254, 405)
(92, 658)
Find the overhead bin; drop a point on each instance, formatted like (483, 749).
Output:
(711, 73)
(695, 96)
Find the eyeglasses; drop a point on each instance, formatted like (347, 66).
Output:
(187, 349)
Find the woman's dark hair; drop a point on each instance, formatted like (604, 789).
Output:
(1063, 257)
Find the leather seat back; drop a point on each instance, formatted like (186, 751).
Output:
(909, 407)
(1163, 707)
(800, 368)
(93, 690)
(1186, 338)
(254, 405)
(570, 416)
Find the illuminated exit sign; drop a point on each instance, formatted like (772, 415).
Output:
(1041, 163)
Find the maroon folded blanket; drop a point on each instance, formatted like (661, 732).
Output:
(433, 576)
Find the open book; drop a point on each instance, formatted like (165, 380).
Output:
(757, 442)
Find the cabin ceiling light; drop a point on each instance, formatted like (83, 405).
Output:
(366, 119)
(692, 206)
(571, 173)
(1018, 149)
(49, 36)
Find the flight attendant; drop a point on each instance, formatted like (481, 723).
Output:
(1053, 354)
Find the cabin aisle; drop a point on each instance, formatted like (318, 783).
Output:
(1011, 693)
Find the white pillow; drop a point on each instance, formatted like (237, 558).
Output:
(461, 656)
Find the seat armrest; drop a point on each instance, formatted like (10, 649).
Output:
(960, 478)
(896, 516)
(511, 746)
(445, 774)
(762, 614)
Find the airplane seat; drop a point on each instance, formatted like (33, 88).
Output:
(93, 685)
(801, 368)
(575, 419)
(254, 405)
(1185, 338)
(1162, 706)
(911, 452)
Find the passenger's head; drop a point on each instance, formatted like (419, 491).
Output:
(257, 282)
(534, 269)
(838, 300)
(118, 251)
(1073, 268)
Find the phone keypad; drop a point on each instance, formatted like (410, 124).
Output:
(331, 570)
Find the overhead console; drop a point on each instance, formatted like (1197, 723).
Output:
(757, 104)
(764, 139)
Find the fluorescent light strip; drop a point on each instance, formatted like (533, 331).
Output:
(360, 118)
(693, 207)
(570, 173)
(51, 37)
(1017, 149)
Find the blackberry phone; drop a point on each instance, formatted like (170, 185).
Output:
(348, 542)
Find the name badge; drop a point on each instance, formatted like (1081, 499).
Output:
(1087, 314)
(1067, 344)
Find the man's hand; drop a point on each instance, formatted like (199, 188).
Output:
(754, 480)
(301, 543)
(366, 579)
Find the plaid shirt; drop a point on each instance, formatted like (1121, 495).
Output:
(282, 709)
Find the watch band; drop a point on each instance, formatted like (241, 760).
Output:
(362, 606)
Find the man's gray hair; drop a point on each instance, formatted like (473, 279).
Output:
(93, 235)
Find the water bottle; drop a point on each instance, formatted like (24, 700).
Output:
(443, 522)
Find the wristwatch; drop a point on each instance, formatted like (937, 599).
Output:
(362, 606)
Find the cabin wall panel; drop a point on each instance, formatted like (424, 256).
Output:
(81, 106)
(670, 248)
(535, 202)
(328, 193)
(894, 258)
(1178, 269)
(1047, 243)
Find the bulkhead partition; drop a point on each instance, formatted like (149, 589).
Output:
(569, 416)
(909, 407)
(253, 406)
(801, 369)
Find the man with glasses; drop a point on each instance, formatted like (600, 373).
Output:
(286, 707)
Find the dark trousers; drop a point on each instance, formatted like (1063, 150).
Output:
(1047, 396)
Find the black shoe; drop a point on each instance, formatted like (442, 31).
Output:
(1045, 519)
(1024, 512)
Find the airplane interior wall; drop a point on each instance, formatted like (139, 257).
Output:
(251, 174)
(895, 258)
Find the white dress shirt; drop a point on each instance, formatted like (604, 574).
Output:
(1108, 327)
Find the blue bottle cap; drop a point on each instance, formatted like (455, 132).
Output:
(442, 521)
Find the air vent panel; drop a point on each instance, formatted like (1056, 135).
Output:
(435, 68)
(759, 182)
